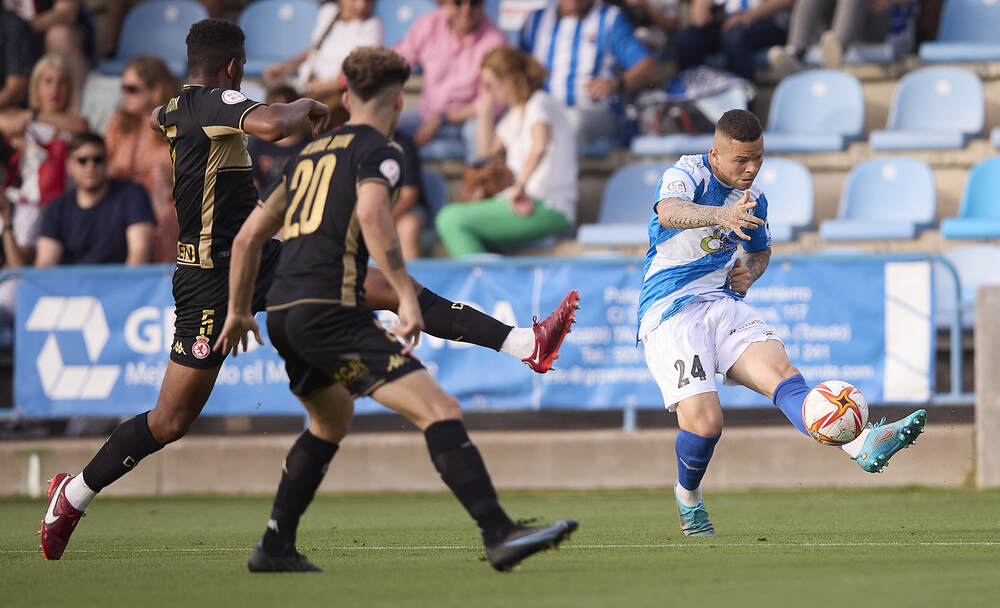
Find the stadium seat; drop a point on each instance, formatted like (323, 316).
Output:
(976, 266)
(968, 32)
(626, 207)
(815, 111)
(398, 15)
(978, 213)
(884, 199)
(788, 186)
(276, 30)
(156, 27)
(933, 108)
(674, 144)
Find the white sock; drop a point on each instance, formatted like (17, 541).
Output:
(520, 343)
(78, 493)
(854, 448)
(688, 498)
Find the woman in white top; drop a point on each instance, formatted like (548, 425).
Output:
(338, 31)
(539, 146)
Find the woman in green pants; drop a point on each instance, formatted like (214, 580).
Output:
(540, 150)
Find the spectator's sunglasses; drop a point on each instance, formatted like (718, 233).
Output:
(131, 89)
(469, 2)
(84, 160)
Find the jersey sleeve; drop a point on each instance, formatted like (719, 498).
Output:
(275, 200)
(627, 49)
(760, 237)
(221, 112)
(382, 163)
(676, 183)
(139, 209)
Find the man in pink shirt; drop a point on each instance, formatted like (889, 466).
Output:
(449, 43)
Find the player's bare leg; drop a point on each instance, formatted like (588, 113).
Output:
(421, 400)
(183, 394)
(538, 346)
(331, 410)
(700, 419)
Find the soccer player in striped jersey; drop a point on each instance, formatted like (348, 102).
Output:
(693, 322)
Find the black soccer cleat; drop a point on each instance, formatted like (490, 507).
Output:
(289, 561)
(523, 541)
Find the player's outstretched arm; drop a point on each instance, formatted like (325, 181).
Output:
(379, 231)
(679, 213)
(279, 120)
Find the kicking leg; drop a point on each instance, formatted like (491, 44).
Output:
(537, 346)
(182, 396)
(418, 397)
(331, 410)
(700, 420)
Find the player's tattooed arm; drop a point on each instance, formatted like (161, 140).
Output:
(679, 213)
(395, 256)
(756, 262)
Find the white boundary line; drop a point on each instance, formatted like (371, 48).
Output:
(697, 544)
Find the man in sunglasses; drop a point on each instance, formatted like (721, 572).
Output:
(100, 220)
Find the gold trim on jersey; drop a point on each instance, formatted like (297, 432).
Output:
(226, 154)
(349, 283)
(302, 301)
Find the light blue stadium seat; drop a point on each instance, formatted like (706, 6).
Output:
(884, 199)
(674, 144)
(969, 31)
(788, 187)
(976, 266)
(626, 207)
(979, 211)
(156, 27)
(933, 108)
(276, 30)
(815, 111)
(398, 15)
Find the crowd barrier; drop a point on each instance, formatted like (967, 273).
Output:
(94, 341)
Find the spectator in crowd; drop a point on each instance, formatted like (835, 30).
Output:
(849, 21)
(411, 211)
(538, 143)
(39, 135)
(592, 57)
(270, 158)
(20, 225)
(61, 27)
(338, 31)
(738, 28)
(449, 43)
(16, 58)
(653, 20)
(140, 154)
(100, 220)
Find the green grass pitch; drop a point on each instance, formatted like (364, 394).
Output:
(913, 547)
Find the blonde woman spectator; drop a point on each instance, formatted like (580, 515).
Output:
(139, 154)
(39, 134)
(338, 31)
(539, 146)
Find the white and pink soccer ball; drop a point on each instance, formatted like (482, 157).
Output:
(835, 412)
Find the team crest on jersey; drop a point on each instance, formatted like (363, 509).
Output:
(390, 170)
(200, 349)
(232, 97)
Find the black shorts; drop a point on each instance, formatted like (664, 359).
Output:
(323, 344)
(201, 298)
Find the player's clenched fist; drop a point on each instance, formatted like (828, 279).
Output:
(739, 277)
(740, 216)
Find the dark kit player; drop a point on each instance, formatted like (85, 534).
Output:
(335, 204)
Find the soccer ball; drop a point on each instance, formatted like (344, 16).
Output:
(834, 412)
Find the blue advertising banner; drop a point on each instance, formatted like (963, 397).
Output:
(95, 341)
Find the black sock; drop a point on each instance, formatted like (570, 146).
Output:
(130, 442)
(462, 469)
(446, 319)
(304, 468)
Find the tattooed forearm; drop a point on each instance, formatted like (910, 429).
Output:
(394, 257)
(756, 262)
(677, 213)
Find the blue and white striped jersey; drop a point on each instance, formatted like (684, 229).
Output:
(575, 51)
(692, 265)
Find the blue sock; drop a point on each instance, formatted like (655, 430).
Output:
(789, 395)
(693, 454)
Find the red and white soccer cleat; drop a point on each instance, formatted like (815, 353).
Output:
(549, 333)
(60, 518)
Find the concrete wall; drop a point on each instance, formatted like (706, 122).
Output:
(987, 387)
(747, 457)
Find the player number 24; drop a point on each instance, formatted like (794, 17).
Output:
(311, 181)
(696, 370)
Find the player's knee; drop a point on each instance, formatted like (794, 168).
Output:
(170, 427)
(444, 407)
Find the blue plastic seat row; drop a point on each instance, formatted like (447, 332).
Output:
(967, 32)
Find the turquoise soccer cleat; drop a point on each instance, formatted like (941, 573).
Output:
(694, 520)
(884, 440)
